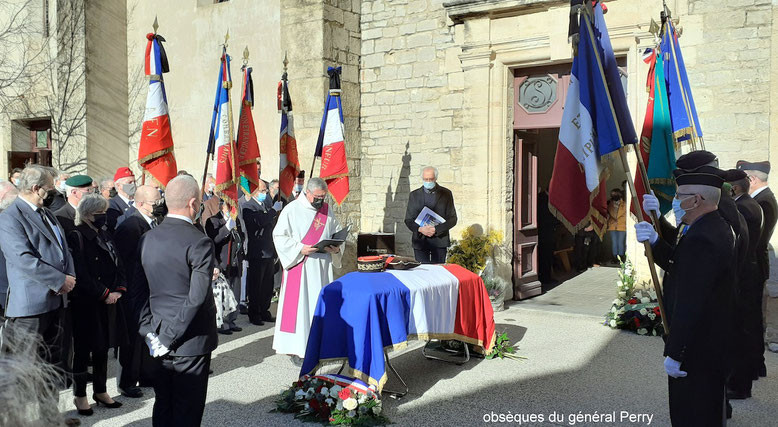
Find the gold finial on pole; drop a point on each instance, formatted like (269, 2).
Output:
(653, 28)
(286, 60)
(226, 38)
(155, 25)
(246, 54)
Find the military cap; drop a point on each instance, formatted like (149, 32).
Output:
(79, 181)
(735, 175)
(753, 166)
(694, 160)
(122, 172)
(698, 178)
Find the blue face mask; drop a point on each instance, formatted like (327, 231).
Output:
(678, 211)
(429, 185)
(261, 197)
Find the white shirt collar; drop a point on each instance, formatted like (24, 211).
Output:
(32, 205)
(73, 206)
(148, 219)
(755, 192)
(181, 217)
(738, 196)
(126, 200)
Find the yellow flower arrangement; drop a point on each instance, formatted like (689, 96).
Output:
(472, 250)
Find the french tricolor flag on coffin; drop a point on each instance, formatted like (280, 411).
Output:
(362, 314)
(331, 146)
(593, 125)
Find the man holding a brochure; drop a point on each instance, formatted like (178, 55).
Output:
(430, 214)
(309, 241)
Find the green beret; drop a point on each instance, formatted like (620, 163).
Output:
(79, 181)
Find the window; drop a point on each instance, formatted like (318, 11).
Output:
(45, 18)
(40, 135)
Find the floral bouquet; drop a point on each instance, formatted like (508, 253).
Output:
(636, 308)
(333, 399)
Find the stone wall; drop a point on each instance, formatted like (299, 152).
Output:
(411, 111)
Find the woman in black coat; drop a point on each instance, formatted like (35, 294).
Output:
(98, 323)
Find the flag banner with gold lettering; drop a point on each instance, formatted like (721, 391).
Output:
(246, 144)
(289, 160)
(155, 150)
(683, 111)
(331, 146)
(221, 133)
(587, 132)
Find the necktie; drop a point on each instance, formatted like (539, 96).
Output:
(48, 226)
(153, 223)
(132, 203)
(681, 232)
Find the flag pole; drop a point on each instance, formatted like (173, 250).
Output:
(233, 151)
(622, 153)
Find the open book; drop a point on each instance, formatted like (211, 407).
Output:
(336, 239)
(428, 217)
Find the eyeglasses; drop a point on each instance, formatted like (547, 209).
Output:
(687, 195)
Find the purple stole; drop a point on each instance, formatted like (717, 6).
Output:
(295, 274)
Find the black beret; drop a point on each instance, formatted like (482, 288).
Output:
(301, 174)
(79, 181)
(735, 175)
(694, 159)
(753, 166)
(697, 178)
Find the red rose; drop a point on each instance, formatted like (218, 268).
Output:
(657, 311)
(344, 394)
(637, 322)
(633, 301)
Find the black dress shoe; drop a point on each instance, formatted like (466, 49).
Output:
(257, 322)
(99, 402)
(763, 370)
(268, 318)
(243, 309)
(738, 395)
(225, 331)
(236, 328)
(133, 392)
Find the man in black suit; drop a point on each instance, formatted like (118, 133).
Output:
(75, 188)
(748, 321)
(179, 320)
(227, 236)
(135, 361)
(430, 242)
(699, 292)
(757, 175)
(60, 197)
(259, 218)
(123, 205)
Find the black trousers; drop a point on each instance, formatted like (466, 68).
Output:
(259, 287)
(180, 385)
(56, 334)
(430, 255)
(697, 399)
(135, 361)
(99, 371)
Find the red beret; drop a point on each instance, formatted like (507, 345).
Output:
(122, 172)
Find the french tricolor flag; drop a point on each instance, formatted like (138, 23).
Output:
(593, 125)
(331, 146)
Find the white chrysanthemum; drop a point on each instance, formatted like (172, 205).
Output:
(362, 399)
(622, 294)
(643, 311)
(614, 309)
(645, 300)
(339, 406)
(329, 401)
(299, 394)
(350, 404)
(325, 391)
(613, 323)
(376, 410)
(642, 331)
(651, 316)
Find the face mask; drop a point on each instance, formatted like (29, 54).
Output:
(48, 199)
(99, 220)
(16, 181)
(678, 211)
(429, 185)
(261, 197)
(129, 189)
(317, 203)
(61, 187)
(112, 192)
(199, 212)
(298, 188)
(159, 209)
(211, 187)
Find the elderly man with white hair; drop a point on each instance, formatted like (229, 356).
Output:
(306, 221)
(430, 234)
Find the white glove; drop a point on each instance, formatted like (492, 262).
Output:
(651, 204)
(645, 232)
(156, 349)
(673, 368)
(277, 206)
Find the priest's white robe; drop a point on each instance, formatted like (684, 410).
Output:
(292, 226)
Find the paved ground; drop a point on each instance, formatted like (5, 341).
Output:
(574, 365)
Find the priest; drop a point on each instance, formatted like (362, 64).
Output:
(303, 223)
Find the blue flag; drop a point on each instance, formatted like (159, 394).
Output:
(679, 91)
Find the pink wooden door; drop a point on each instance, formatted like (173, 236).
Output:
(525, 238)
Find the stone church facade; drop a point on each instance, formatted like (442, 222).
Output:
(456, 84)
